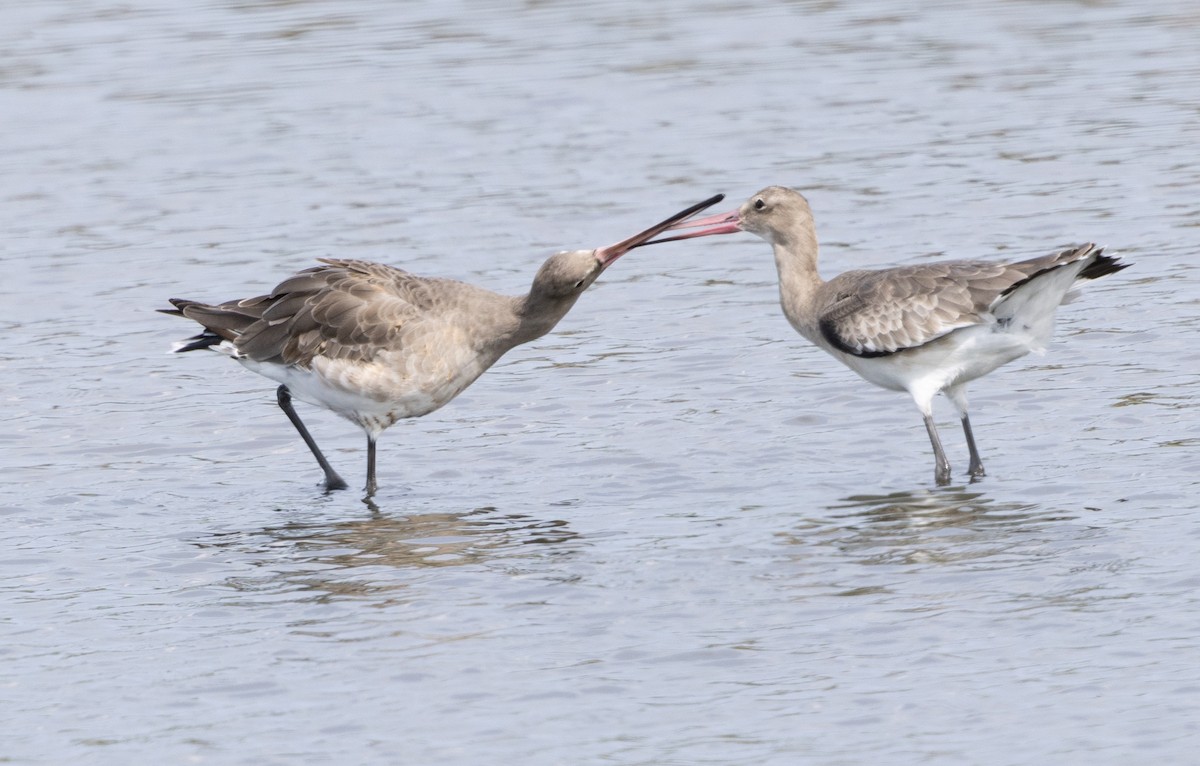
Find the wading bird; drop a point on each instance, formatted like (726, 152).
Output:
(376, 344)
(923, 329)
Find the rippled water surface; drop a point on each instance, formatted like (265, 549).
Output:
(670, 532)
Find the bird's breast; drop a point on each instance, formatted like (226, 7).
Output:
(391, 386)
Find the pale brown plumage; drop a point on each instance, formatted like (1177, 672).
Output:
(923, 329)
(875, 313)
(376, 344)
(347, 309)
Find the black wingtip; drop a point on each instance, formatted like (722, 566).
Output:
(179, 303)
(198, 342)
(1102, 266)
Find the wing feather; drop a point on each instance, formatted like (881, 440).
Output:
(876, 313)
(355, 311)
(344, 309)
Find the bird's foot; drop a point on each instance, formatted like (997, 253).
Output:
(975, 471)
(941, 475)
(335, 482)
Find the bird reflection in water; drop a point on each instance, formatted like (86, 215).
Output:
(358, 559)
(925, 526)
(940, 508)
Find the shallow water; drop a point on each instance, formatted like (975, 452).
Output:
(670, 532)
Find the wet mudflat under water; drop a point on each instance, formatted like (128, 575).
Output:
(668, 533)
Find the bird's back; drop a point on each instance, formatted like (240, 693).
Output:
(353, 335)
(347, 309)
(879, 313)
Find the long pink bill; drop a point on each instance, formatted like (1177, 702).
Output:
(721, 223)
(611, 253)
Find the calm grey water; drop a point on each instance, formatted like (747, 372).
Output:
(668, 533)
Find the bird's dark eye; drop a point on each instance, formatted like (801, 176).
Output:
(759, 204)
(579, 284)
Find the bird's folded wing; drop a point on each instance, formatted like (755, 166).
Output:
(345, 309)
(876, 313)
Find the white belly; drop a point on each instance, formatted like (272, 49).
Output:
(377, 394)
(954, 359)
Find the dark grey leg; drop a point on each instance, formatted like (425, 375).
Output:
(371, 486)
(976, 466)
(941, 468)
(332, 480)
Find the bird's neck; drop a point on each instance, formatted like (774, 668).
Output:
(799, 281)
(537, 315)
